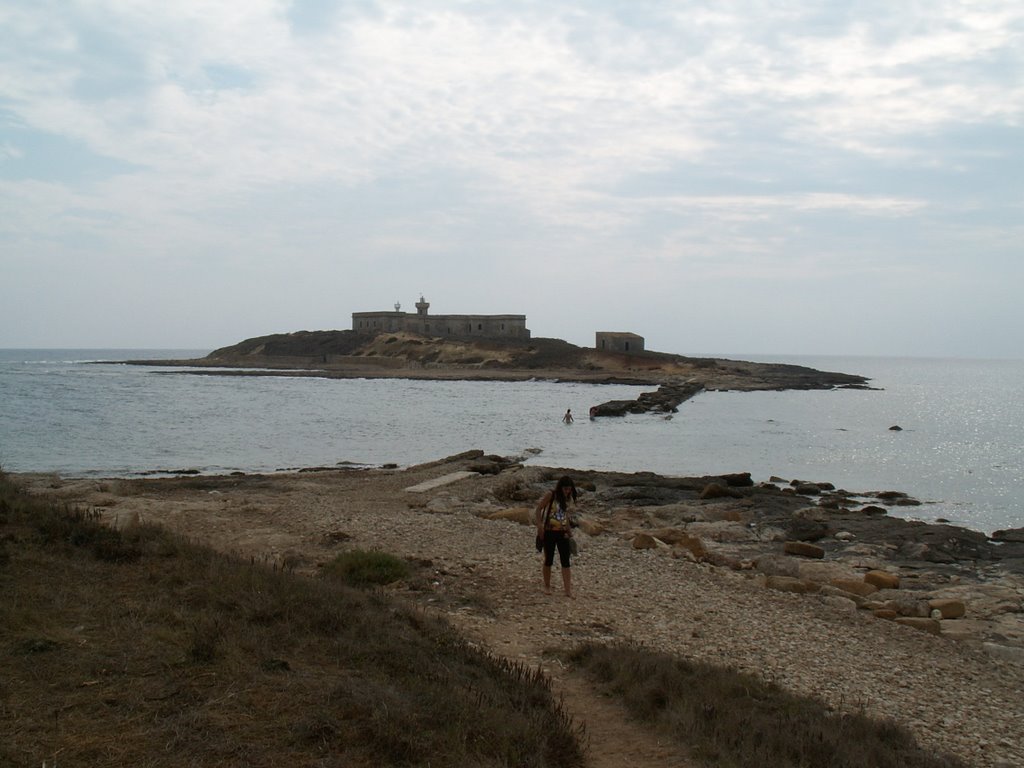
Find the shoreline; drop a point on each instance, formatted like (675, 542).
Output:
(694, 566)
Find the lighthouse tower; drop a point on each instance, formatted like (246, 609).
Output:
(422, 306)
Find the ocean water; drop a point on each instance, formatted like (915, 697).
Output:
(960, 449)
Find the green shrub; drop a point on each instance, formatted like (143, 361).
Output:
(360, 568)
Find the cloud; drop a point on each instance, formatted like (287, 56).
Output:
(757, 138)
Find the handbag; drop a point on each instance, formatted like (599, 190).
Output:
(574, 548)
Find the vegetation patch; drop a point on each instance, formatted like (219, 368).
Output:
(179, 655)
(736, 720)
(360, 568)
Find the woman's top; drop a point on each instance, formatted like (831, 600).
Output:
(557, 518)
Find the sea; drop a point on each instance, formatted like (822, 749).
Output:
(959, 449)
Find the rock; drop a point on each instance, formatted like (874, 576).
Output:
(789, 584)
(774, 565)
(664, 400)
(667, 535)
(693, 545)
(807, 489)
(882, 579)
(722, 560)
(829, 590)
(841, 602)
(890, 495)
(803, 549)
(718, 491)
(885, 613)
(925, 625)
(854, 587)
(591, 527)
(903, 603)
(1009, 534)
(873, 509)
(947, 609)
(521, 515)
(895, 428)
(485, 467)
(801, 529)
(722, 531)
(845, 536)
(645, 541)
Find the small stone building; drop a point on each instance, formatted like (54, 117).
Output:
(614, 341)
(487, 326)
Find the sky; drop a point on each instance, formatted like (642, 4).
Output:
(753, 177)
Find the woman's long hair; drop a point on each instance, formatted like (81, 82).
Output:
(563, 481)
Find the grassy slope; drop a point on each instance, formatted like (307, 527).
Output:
(141, 649)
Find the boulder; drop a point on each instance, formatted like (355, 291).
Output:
(668, 535)
(839, 601)
(802, 529)
(723, 560)
(646, 541)
(903, 603)
(591, 527)
(925, 625)
(946, 608)
(882, 579)
(718, 491)
(829, 591)
(885, 613)
(803, 549)
(521, 515)
(873, 509)
(854, 586)
(1009, 534)
(693, 545)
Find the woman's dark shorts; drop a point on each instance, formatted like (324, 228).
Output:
(553, 539)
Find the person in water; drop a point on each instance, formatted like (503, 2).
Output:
(568, 416)
(554, 530)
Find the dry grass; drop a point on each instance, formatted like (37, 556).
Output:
(138, 648)
(730, 719)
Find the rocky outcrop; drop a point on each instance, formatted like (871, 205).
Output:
(347, 354)
(665, 399)
(810, 539)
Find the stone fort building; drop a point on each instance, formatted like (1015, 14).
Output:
(487, 326)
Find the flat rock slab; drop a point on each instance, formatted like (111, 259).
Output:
(437, 482)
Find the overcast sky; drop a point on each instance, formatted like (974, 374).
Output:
(719, 177)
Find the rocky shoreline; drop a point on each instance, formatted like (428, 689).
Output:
(817, 588)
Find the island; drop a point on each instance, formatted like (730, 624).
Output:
(412, 355)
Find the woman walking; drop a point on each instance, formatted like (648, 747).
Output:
(554, 528)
